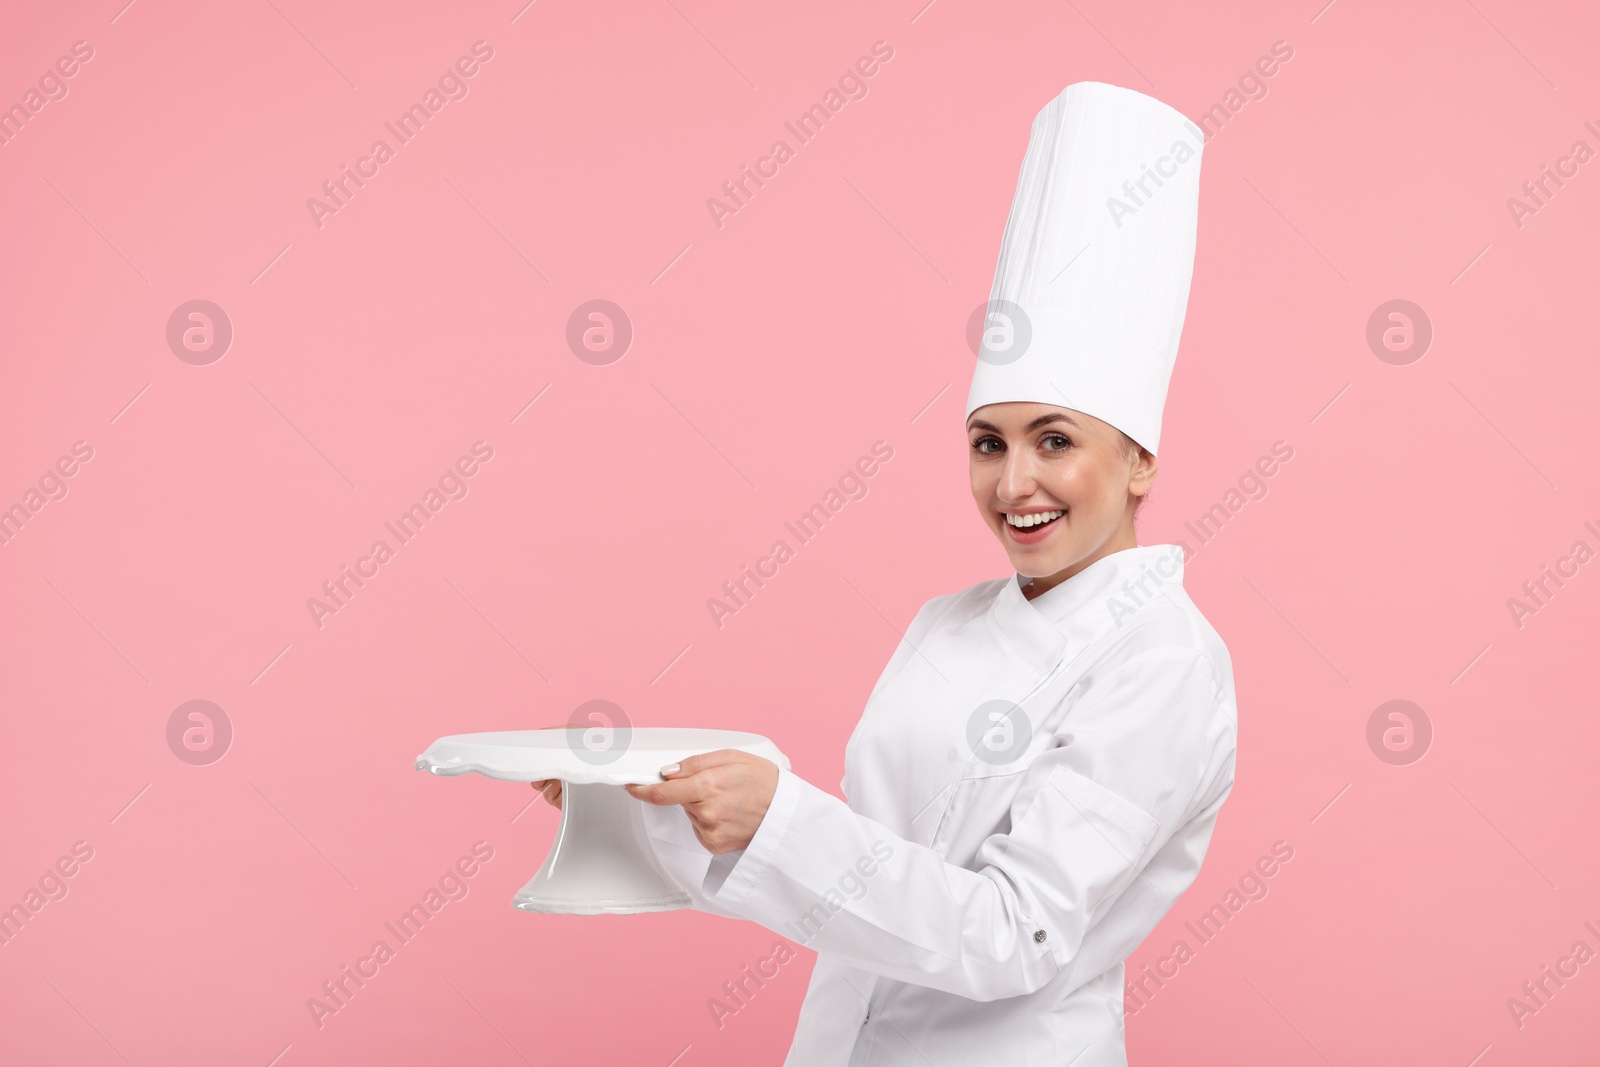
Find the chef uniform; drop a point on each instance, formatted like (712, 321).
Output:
(1033, 783)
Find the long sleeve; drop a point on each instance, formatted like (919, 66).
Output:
(1130, 763)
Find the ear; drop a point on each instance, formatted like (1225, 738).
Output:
(1142, 472)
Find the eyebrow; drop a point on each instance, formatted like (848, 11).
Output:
(1042, 420)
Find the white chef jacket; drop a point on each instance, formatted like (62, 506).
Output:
(973, 902)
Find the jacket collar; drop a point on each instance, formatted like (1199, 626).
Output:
(1096, 600)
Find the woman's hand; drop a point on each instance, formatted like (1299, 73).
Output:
(725, 793)
(551, 790)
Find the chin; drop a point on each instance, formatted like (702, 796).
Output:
(1042, 562)
(1063, 549)
(1036, 568)
(1036, 564)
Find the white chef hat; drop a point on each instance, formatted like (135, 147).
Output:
(1089, 295)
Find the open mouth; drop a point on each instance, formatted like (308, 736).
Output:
(1034, 527)
(1025, 522)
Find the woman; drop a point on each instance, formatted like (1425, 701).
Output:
(1036, 775)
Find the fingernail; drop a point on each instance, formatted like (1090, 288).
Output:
(671, 768)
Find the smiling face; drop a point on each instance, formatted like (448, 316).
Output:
(1057, 487)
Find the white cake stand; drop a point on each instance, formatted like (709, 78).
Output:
(602, 861)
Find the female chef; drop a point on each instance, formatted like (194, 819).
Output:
(1036, 775)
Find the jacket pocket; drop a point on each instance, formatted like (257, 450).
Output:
(1125, 829)
(1136, 826)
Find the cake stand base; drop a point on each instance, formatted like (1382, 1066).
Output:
(601, 862)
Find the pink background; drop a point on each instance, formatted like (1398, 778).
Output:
(769, 353)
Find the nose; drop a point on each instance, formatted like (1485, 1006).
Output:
(1017, 478)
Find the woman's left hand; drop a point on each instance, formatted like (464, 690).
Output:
(725, 794)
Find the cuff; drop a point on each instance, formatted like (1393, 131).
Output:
(717, 872)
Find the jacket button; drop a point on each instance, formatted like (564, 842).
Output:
(1038, 936)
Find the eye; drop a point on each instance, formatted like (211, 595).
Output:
(988, 445)
(1055, 442)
